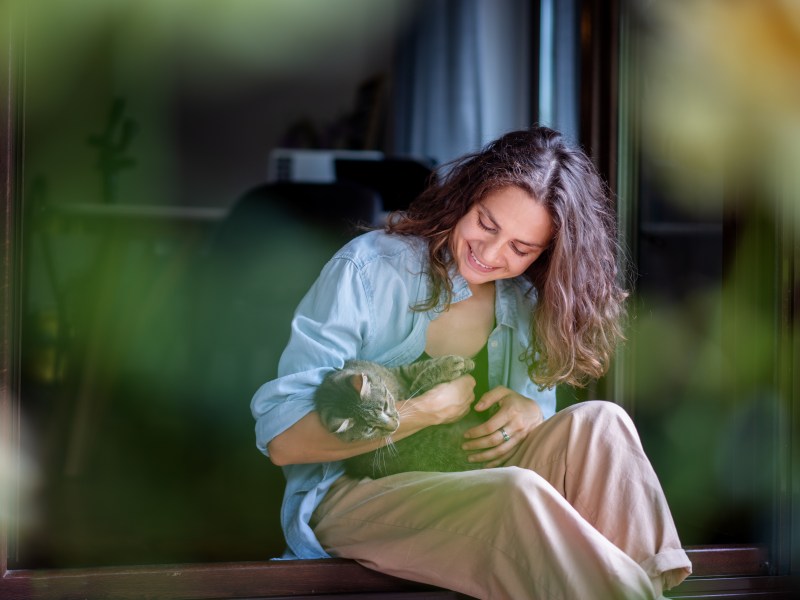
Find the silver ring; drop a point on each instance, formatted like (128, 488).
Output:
(506, 437)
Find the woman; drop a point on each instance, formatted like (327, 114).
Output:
(512, 256)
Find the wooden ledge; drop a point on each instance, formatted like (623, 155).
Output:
(272, 579)
(730, 560)
(719, 571)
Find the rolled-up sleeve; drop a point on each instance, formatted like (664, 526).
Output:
(330, 326)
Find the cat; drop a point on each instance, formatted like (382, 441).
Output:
(357, 402)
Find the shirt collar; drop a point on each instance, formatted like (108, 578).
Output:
(505, 304)
(461, 289)
(506, 293)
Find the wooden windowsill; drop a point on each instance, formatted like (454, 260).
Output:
(718, 571)
(730, 560)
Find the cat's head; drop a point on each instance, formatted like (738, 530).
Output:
(356, 406)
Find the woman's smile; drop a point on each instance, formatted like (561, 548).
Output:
(477, 263)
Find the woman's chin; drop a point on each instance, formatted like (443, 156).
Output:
(474, 278)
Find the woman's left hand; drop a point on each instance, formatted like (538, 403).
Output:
(500, 434)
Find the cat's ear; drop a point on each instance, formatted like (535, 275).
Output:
(345, 425)
(365, 387)
(360, 382)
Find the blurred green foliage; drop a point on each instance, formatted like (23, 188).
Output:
(715, 359)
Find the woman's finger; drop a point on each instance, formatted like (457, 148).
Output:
(487, 429)
(495, 455)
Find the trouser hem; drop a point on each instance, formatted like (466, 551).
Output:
(673, 566)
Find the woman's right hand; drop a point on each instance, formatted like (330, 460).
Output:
(444, 403)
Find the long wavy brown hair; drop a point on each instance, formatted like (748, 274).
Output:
(577, 321)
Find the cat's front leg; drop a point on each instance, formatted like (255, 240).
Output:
(453, 366)
(441, 369)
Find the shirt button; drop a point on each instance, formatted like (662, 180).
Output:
(493, 344)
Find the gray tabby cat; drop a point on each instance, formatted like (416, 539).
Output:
(357, 402)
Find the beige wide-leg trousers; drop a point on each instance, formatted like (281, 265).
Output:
(577, 514)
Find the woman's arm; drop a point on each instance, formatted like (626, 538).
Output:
(308, 441)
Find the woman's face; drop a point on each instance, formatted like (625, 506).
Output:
(500, 236)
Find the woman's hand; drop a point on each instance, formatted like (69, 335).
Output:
(517, 417)
(443, 403)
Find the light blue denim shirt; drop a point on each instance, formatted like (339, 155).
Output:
(359, 307)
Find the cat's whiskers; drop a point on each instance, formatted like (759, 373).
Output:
(406, 411)
(381, 456)
(415, 393)
(378, 461)
(389, 447)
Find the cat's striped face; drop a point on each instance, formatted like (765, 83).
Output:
(367, 410)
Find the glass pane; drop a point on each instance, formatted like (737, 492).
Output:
(156, 299)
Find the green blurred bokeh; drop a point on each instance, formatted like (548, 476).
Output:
(715, 348)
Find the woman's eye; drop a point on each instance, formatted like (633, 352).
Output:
(484, 226)
(518, 251)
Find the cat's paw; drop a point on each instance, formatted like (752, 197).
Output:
(440, 370)
(456, 366)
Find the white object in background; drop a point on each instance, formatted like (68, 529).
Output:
(311, 166)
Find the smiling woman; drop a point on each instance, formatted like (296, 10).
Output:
(477, 266)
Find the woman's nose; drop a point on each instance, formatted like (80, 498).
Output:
(493, 252)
